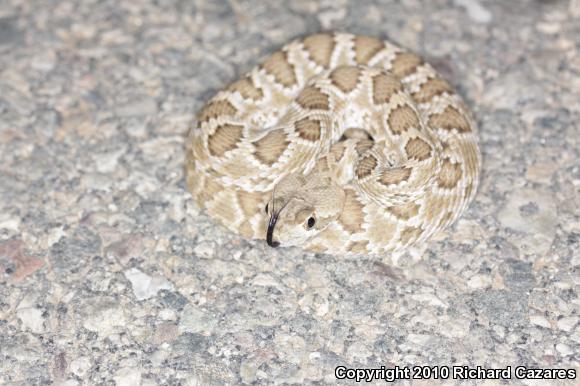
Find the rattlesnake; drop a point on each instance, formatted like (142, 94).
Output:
(337, 143)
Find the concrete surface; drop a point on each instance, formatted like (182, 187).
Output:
(109, 274)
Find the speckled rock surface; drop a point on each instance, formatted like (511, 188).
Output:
(110, 274)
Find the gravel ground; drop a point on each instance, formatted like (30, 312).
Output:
(110, 274)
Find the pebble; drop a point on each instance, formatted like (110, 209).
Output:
(429, 299)
(205, 250)
(476, 11)
(104, 316)
(479, 282)
(9, 223)
(145, 286)
(44, 62)
(541, 173)
(548, 28)
(533, 213)
(248, 370)
(194, 319)
(31, 319)
(107, 162)
(541, 321)
(80, 366)
(138, 107)
(161, 149)
(419, 339)
(127, 376)
(564, 349)
(567, 324)
(457, 328)
(167, 314)
(575, 8)
(159, 356)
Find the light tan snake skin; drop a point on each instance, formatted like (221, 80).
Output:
(338, 143)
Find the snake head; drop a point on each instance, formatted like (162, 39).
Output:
(301, 207)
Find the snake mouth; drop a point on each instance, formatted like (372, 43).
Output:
(271, 225)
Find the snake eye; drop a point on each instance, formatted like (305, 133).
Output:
(311, 222)
(266, 208)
